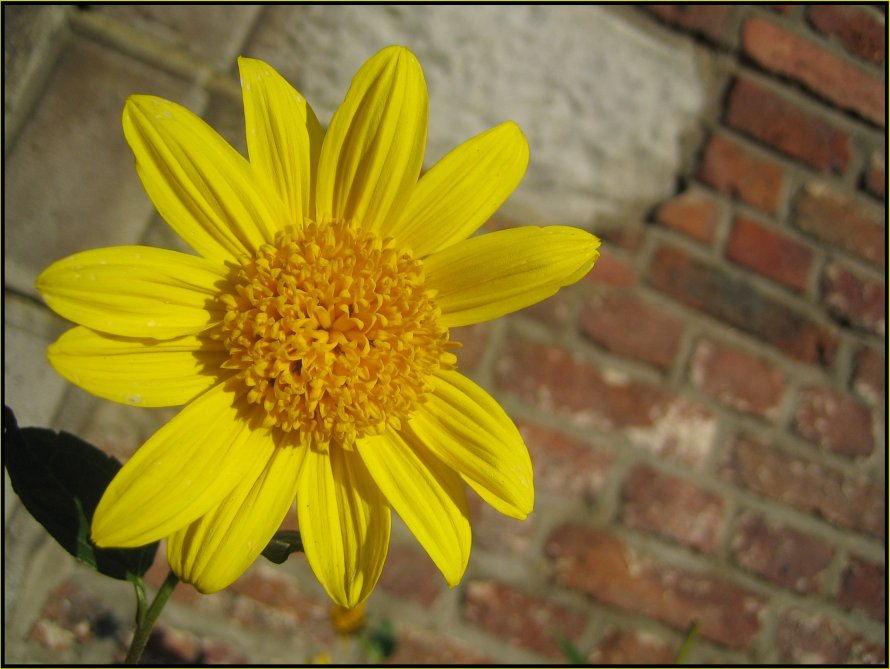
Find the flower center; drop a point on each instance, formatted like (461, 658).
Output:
(333, 332)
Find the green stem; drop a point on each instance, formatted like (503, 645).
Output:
(139, 586)
(145, 625)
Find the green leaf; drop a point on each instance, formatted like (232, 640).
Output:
(570, 650)
(282, 545)
(688, 642)
(60, 479)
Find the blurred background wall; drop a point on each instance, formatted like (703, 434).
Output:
(705, 411)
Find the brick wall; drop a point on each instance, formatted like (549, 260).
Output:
(705, 411)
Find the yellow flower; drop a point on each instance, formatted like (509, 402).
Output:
(308, 339)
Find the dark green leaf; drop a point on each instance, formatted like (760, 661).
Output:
(380, 642)
(60, 480)
(282, 545)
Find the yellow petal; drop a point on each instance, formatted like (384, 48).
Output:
(140, 372)
(462, 190)
(344, 524)
(485, 277)
(182, 472)
(283, 136)
(212, 552)
(135, 291)
(427, 495)
(468, 430)
(373, 150)
(200, 185)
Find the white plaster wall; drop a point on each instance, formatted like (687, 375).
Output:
(603, 103)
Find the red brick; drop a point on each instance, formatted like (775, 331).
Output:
(610, 270)
(602, 566)
(834, 421)
(473, 340)
(550, 379)
(523, 620)
(840, 83)
(846, 500)
(870, 377)
(711, 21)
(810, 638)
(737, 379)
(415, 647)
(552, 312)
(712, 290)
(739, 173)
(631, 327)
(841, 220)
(632, 647)
(875, 177)
(493, 531)
(784, 125)
(863, 588)
(862, 31)
(565, 466)
(410, 574)
(673, 508)
(781, 554)
(691, 213)
(855, 299)
(770, 253)
(268, 599)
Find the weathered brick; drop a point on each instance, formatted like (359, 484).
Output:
(673, 508)
(692, 213)
(712, 290)
(854, 298)
(737, 379)
(875, 177)
(737, 172)
(846, 500)
(524, 620)
(549, 378)
(839, 219)
(410, 574)
(770, 253)
(602, 566)
(631, 327)
(803, 637)
(416, 647)
(209, 33)
(863, 588)
(861, 30)
(831, 78)
(48, 213)
(564, 466)
(781, 554)
(711, 21)
(834, 421)
(870, 377)
(611, 270)
(786, 126)
(632, 647)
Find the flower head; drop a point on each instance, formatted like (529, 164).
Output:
(308, 339)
